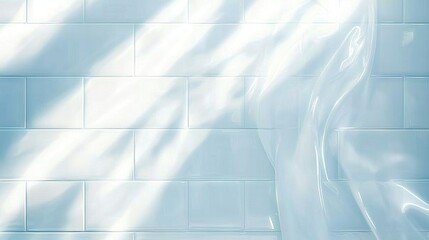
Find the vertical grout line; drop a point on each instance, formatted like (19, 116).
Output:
(243, 18)
(403, 102)
(188, 11)
(134, 154)
(83, 102)
(134, 49)
(187, 101)
(243, 114)
(83, 10)
(84, 206)
(26, 11)
(25, 208)
(188, 210)
(244, 205)
(338, 154)
(25, 102)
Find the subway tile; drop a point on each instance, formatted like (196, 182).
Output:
(216, 205)
(12, 11)
(73, 49)
(216, 102)
(216, 11)
(378, 103)
(416, 11)
(208, 236)
(136, 11)
(12, 102)
(416, 102)
(383, 154)
(276, 106)
(59, 11)
(68, 236)
(67, 155)
(135, 206)
(402, 49)
(390, 10)
(201, 154)
(135, 103)
(353, 236)
(261, 206)
(55, 206)
(199, 50)
(12, 207)
(54, 102)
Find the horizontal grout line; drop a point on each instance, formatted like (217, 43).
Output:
(138, 180)
(161, 231)
(380, 129)
(135, 129)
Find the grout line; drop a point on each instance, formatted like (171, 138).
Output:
(83, 103)
(244, 205)
(134, 50)
(83, 10)
(134, 155)
(26, 11)
(84, 206)
(25, 103)
(188, 11)
(338, 156)
(25, 208)
(187, 102)
(188, 207)
(403, 103)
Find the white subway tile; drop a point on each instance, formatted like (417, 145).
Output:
(136, 11)
(401, 49)
(261, 206)
(416, 11)
(201, 154)
(13, 11)
(135, 206)
(12, 206)
(199, 50)
(59, 11)
(384, 154)
(416, 102)
(57, 49)
(54, 102)
(216, 205)
(66, 154)
(216, 102)
(68, 236)
(55, 206)
(135, 102)
(208, 236)
(216, 11)
(12, 102)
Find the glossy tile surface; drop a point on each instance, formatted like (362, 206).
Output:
(12, 102)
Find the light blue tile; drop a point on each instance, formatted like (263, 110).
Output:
(415, 192)
(60, 11)
(135, 102)
(12, 206)
(201, 154)
(216, 205)
(378, 104)
(12, 102)
(215, 11)
(384, 154)
(402, 49)
(261, 206)
(390, 10)
(135, 206)
(416, 102)
(55, 206)
(54, 102)
(353, 236)
(12, 11)
(216, 102)
(416, 11)
(68, 236)
(66, 50)
(61, 155)
(341, 210)
(209, 236)
(136, 11)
